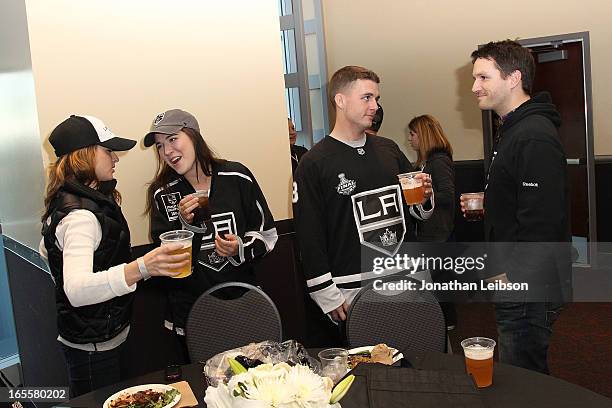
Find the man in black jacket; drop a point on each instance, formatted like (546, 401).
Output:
(526, 212)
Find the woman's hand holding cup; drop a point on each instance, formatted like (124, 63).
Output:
(161, 261)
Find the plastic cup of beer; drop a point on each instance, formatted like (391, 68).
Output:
(474, 206)
(179, 237)
(412, 187)
(334, 363)
(478, 353)
(202, 196)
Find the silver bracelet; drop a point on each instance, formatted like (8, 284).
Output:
(144, 272)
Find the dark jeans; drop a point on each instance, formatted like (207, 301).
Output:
(89, 370)
(524, 330)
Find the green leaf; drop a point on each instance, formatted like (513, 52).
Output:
(341, 389)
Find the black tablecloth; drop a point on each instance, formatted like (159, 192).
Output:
(512, 387)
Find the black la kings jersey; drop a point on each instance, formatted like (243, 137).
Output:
(237, 206)
(347, 199)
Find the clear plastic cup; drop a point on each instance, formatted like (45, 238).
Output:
(412, 187)
(473, 205)
(183, 237)
(334, 363)
(478, 353)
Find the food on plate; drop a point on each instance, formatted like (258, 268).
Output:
(381, 353)
(145, 399)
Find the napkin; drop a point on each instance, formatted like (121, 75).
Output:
(187, 397)
(378, 386)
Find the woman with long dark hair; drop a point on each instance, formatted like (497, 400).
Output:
(233, 226)
(87, 243)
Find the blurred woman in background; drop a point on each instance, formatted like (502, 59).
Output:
(435, 157)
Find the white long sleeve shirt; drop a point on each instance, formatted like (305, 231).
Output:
(78, 235)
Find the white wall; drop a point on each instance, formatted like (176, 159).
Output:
(421, 49)
(126, 61)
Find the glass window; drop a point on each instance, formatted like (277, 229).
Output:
(292, 98)
(285, 7)
(289, 55)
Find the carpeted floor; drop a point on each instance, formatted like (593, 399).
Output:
(581, 346)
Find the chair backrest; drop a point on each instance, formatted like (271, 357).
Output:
(409, 320)
(218, 322)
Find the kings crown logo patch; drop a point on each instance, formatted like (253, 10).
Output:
(388, 238)
(159, 118)
(346, 186)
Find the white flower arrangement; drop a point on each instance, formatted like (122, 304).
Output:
(279, 386)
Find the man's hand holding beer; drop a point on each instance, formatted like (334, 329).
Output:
(427, 189)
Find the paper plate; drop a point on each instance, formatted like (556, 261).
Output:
(154, 387)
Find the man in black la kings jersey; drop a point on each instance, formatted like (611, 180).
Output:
(347, 197)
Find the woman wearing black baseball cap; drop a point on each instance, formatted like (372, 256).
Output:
(87, 243)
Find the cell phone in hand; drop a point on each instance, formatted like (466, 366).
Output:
(173, 373)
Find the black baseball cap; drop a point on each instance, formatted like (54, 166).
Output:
(170, 122)
(78, 132)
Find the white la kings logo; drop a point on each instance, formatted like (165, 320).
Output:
(159, 118)
(346, 186)
(379, 217)
(208, 257)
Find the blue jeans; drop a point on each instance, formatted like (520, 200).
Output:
(524, 330)
(89, 370)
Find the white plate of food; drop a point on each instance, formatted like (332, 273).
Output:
(144, 396)
(381, 353)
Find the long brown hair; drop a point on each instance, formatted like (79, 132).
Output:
(205, 157)
(76, 166)
(431, 136)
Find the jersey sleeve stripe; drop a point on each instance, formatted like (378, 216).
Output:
(319, 279)
(234, 173)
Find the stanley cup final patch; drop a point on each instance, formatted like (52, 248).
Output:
(171, 205)
(346, 186)
(379, 218)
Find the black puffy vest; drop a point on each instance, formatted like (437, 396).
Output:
(102, 321)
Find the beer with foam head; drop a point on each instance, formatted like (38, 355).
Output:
(412, 187)
(473, 206)
(479, 359)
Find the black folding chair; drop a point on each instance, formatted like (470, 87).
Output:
(409, 320)
(230, 315)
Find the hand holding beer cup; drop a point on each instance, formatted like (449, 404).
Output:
(187, 205)
(479, 359)
(416, 187)
(166, 261)
(180, 241)
(472, 206)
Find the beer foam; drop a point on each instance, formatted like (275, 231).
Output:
(474, 204)
(478, 352)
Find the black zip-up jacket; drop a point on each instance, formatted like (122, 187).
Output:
(526, 196)
(440, 225)
(102, 321)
